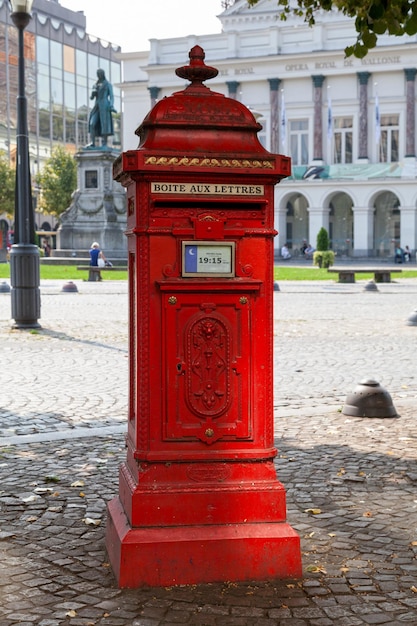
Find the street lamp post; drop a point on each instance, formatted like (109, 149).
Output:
(24, 254)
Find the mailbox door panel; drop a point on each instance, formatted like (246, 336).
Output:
(207, 352)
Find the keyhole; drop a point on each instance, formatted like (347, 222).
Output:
(179, 366)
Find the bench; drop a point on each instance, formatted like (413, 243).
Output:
(347, 274)
(94, 272)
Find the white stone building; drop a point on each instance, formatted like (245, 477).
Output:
(348, 124)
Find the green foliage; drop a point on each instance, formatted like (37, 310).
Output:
(328, 258)
(318, 259)
(322, 240)
(58, 181)
(372, 18)
(7, 186)
(323, 258)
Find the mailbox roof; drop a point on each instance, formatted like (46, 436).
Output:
(200, 120)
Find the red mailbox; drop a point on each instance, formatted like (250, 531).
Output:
(199, 499)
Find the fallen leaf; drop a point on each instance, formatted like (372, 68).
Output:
(82, 494)
(414, 543)
(78, 483)
(413, 588)
(316, 569)
(367, 514)
(71, 613)
(43, 490)
(344, 570)
(31, 519)
(52, 479)
(313, 511)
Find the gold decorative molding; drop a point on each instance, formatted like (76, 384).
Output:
(209, 162)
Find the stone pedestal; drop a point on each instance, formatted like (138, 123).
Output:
(98, 207)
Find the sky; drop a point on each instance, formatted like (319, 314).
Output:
(131, 23)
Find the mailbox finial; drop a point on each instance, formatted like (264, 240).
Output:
(197, 71)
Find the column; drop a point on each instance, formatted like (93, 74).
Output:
(318, 117)
(363, 115)
(154, 92)
(280, 220)
(363, 231)
(318, 217)
(274, 84)
(233, 86)
(408, 227)
(410, 130)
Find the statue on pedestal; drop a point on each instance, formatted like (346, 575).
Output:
(98, 207)
(100, 122)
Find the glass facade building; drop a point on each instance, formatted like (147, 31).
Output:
(61, 63)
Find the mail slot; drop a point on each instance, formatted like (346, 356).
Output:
(199, 499)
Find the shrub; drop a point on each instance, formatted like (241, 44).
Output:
(322, 240)
(323, 258)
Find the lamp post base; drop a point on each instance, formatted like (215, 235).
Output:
(25, 280)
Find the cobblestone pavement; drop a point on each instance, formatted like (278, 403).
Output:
(351, 482)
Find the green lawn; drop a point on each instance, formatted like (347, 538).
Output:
(65, 272)
(70, 272)
(315, 273)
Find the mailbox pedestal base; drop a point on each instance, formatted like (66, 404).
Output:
(183, 555)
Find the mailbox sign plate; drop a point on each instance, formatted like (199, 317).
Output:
(208, 258)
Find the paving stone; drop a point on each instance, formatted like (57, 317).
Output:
(146, 621)
(358, 471)
(376, 618)
(247, 611)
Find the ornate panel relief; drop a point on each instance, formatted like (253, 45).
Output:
(207, 352)
(208, 347)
